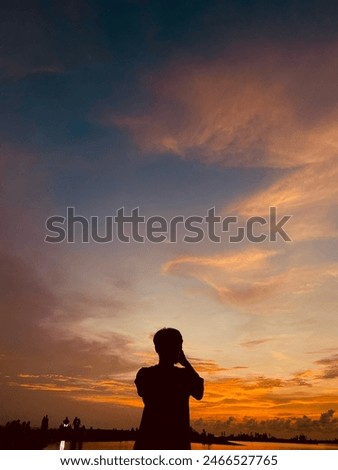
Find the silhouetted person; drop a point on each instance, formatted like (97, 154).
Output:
(76, 422)
(66, 422)
(65, 429)
(44, 423)
(165, 390)
(76, 434)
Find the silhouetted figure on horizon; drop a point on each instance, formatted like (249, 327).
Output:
(66, 422)
(76, 422)
(44, 423)
(76, 437)
(165, 390)
(65, 429)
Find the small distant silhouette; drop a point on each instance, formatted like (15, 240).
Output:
(44, 423)
(77, 434)
(66, 422)
(165, 390)
(76, 422)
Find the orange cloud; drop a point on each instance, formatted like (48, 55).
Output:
(226, 395)
(314, 425)
(254, 109)
(250, 260)
(309, 194)
(258, 396)
(265, 397)
(211, 367)
(252, 275)
(79, 388)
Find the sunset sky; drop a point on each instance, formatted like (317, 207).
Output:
(174, 107)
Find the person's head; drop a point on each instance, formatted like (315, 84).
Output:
(168, 344)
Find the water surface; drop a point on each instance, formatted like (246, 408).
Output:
(234, 445)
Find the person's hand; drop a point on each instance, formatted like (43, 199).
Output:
(182, 359)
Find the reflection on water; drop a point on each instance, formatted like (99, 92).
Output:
(128, 445)
(265, 446)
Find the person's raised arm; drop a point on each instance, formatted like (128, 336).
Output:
(196, 381)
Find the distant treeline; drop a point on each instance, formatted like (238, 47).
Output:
(19, 435)
(207, 438)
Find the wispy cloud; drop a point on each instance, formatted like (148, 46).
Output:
(309, 194)
(255, 109)
(255, 342)
(93, 390)
(249, 110)
(252, 276)
(212, 367)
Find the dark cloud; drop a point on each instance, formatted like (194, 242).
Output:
(264, 383)
(330, 365)
(256, 342)
(29, 347)
(211, 367)
(328, 361)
